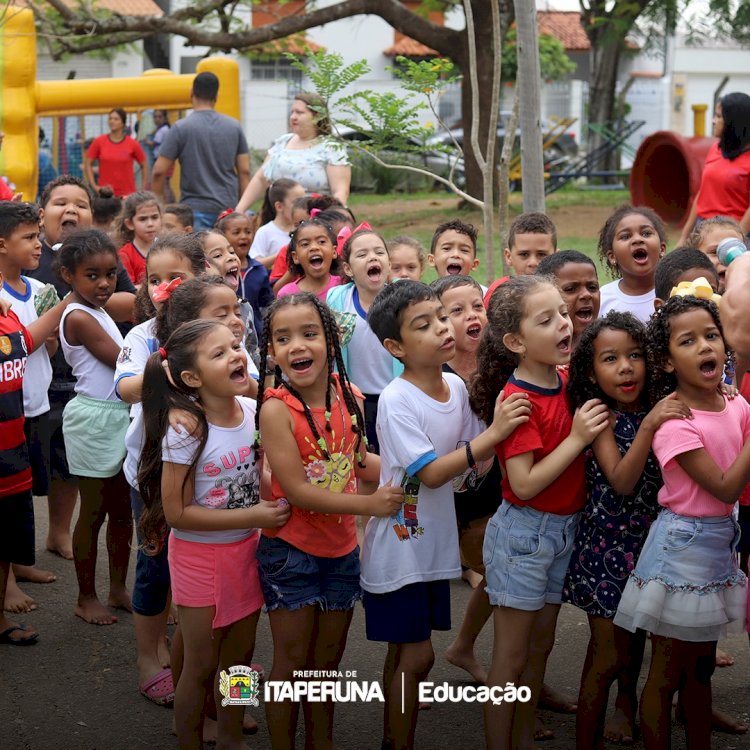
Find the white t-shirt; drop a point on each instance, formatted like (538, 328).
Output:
(139, 344)
(38, 373)
(420, 543)
(268, 240)
(225, 475)
(612, 298)
(369, 364)
(93, 378)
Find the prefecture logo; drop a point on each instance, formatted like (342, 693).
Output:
(240, 687)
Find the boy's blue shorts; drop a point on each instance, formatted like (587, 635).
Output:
(408, 614)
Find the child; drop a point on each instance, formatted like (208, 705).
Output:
(368, 364)
(407, 258)
(275, 220)
(95, 422)
(138, 226)
(453, 251)
(631, 242)
(532, 238)
(313, 260)
(221, 256)
(20, 249)
(65, 207)
(280, 270)
(428, 438)
(622, 482)
(17, 543)
(528, 541)
(686, 586)
(461, 297)
(578, 284)
(105, 207)
(311, 425)
(175, 257)
(254, 285)
(337, 217)
(177, 217)
(213, 507)
(707, 236)
(682, 264)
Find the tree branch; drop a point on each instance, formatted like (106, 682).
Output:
(440, 38)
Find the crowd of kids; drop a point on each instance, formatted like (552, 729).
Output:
(292, 421)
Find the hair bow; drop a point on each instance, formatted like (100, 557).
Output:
(345, 233)
(163, 291)
(223, 215)
(699, 288)
(314, 212)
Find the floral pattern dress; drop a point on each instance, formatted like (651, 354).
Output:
(612, 529)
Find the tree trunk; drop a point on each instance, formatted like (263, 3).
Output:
(605, 63)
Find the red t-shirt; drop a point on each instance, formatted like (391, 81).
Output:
(280, 266)
(6, 194)
(15, 345)
(725, 186)
(548, 426)
(133, 262)
(116, 162)
(494, 285)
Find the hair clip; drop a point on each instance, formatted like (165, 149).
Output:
(328, 416)
(322, 444)
(256, 437)
(354, 420)
(163, 291)
(699, 288)
(163, 352)
(314, 212)
(223, 215)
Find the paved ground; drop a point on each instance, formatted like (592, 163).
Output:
(76, 690)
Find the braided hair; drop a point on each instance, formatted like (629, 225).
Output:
(607, 233)
(581, 383)
(659, 333)
(318, 221)
(333, 347)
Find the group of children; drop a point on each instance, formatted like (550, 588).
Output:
(562, 441)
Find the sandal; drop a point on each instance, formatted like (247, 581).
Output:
(6, 638)
(159, 689)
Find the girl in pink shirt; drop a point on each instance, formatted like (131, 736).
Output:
(687, 585)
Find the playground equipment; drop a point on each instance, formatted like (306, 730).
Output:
(666, 173)
(24, 98)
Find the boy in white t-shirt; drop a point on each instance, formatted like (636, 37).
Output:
(429, 440)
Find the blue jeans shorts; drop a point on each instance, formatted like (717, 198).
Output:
(152, 583)
(203, 220)
(292, 579)
(526, 555)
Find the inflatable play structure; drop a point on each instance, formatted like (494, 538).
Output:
(24, 99)
(666, 172)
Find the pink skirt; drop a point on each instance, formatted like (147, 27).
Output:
(224, 576)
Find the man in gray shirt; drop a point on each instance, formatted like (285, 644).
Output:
(213, 154)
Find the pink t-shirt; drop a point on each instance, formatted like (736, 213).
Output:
(293, 288)
(721, 433)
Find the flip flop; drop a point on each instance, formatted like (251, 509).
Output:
(5, 637)
(159, 689)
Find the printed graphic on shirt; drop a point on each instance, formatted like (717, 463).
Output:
(334, 474)
(124, 355)
(406, 524)
(232, 490)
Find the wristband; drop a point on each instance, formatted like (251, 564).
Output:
(470, 457)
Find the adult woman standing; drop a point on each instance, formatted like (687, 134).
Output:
(725, 182)
(115, 151)
(307, 155)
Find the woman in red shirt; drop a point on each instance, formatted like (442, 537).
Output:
(725, 182)
(115, 152)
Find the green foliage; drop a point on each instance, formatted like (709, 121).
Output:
(327, 72)
(553, 60)
(425, 76)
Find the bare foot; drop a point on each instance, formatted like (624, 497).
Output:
(33, 575)
(471, 577)
(62, 546)
(723, 659)
(723, 722)
(120, 599)
(542, 733)
(172, 616)
(210, 729)
(94, 612)
(467, 662)
(17, 601)
(425, 706)
(163, 653)
(619, 728)
(553, 700)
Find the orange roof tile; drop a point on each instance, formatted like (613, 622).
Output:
(409, 47)
(565, 26)
(296, 44)
(122, 7)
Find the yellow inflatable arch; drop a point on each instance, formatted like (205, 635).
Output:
(24, 99)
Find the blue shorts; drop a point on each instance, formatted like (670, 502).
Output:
(292, 579)
(151, 587)
(526, 555)
(408, 614)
